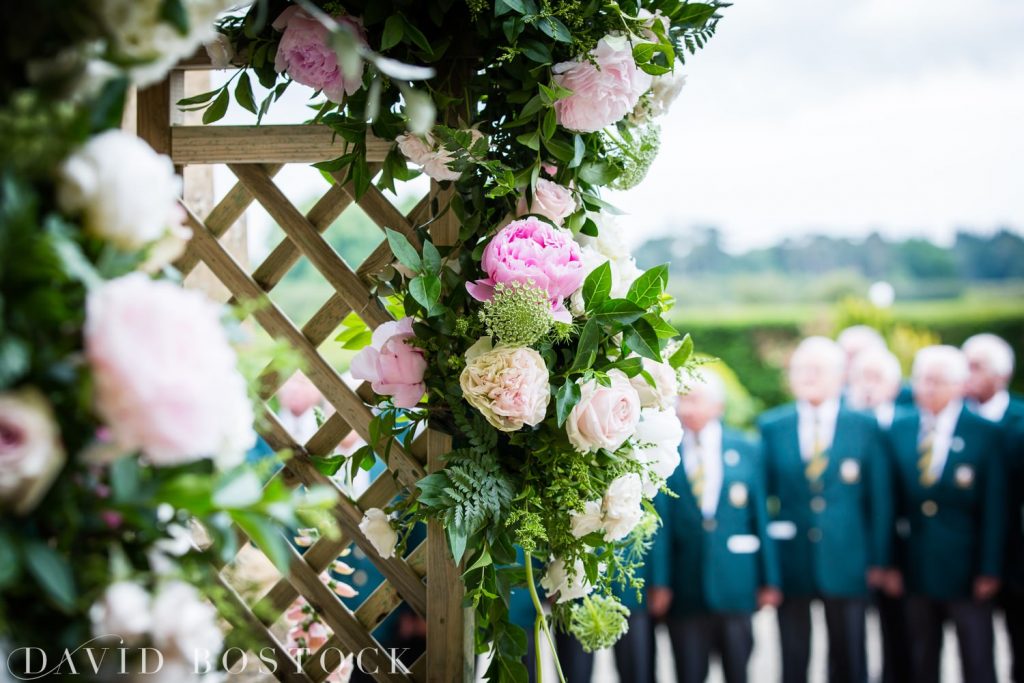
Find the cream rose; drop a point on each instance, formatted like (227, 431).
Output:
(378, 531)
(623, 506)
(124, 611)
(31, 454)
(508, 385)
(604, 417)
(666, 385)
(184, 622)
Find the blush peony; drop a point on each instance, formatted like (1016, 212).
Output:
(604, 417)
(393, 366)
(603, 90)
(306, 54)
(165, 374)
(532, 252)
(508, 385)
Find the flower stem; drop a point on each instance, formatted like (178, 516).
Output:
(540, 623)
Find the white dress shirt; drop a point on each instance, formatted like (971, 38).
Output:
(945, 425)
(884, 414)
(710, 454)
(825, 414)
(995, 408)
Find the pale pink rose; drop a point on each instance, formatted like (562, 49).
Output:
(31, 453)
(509, 386)
(393, 366)
(306, 54)
(603, 92)
(532, 252)
(550, 200)
(430, 155)
(604, 417)
(165, 375)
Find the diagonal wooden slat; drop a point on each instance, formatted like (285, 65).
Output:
(348, 404)
(317, 250)
(222, 217)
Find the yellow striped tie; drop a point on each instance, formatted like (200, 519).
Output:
(817, 463)
(696, 475)
(926, 451)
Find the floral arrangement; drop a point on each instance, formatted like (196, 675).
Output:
(124, 415)
(532, 337)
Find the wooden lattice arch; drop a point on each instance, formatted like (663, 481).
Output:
(427, 579)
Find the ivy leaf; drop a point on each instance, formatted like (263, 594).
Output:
(52, 573)
(431, 258)
(631, 366)
(619, 310)
(403, 250)
(682, 354)
(598, 286)
(243, 93)
(589, 228)
(566, 398)
(562, 150)
(598, 172)
(394, 30)
(646, 289)
(216, 111)
(531, 140)
(662, 328)
(426, 290)
(641, 337)
(586, 347)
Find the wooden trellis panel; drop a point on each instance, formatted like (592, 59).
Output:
(427, 580)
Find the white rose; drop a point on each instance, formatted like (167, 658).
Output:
(220, 51)
(183, 622)
(123, 610)
(31, 454)
(666, 385)
(611, 237)
(139, 32)
(378, 530)
(623, 506)
(604, 417)
(588, 521)
(125, 192)
(656, 444)
(557, 581)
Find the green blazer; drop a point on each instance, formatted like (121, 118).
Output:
(718, 564)
(957, 525)
(1012, 426)
(828, 532)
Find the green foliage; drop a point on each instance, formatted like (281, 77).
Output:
(598, 621)
(518, 315)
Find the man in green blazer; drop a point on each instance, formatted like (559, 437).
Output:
(990, 362)
(715, 564)
(830, 492)
(952, 488)
(875, 381)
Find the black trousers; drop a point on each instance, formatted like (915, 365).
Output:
(634, 653)
(847, 656)
(1012, 601)
(695, 638)
(974, 634)
(892, 619)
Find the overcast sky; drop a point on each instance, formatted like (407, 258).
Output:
(837, 116)
(842, 116)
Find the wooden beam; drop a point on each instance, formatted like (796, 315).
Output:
(281, 144)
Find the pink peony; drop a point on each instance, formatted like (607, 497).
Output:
(603, 92)
(392, 366)
(305, 53)
(165, 374)
(604, 417)
(532, 252)
(550, 200)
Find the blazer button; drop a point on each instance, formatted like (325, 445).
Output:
(814, 535)
(818, 504)
(710, 525)
(929, 508)
(817, 486)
